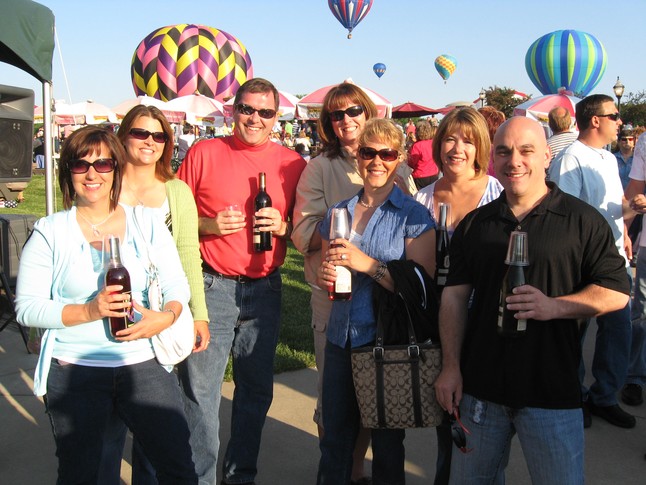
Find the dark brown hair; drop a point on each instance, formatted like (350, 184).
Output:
(258, 85)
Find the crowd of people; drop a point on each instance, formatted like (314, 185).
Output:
(496, 175)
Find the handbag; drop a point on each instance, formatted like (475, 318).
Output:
(394, 383)
(175, 343)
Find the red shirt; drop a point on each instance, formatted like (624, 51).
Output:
(420, 159)
(224, 171)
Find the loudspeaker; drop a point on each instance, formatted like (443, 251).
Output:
(16, 133)
(14, 231)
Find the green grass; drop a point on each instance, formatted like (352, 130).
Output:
(295, 345)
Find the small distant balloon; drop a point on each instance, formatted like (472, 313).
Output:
(379, 69)
(445, 65)
(566, 59)
(350, 12)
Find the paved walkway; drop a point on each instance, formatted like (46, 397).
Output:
(289, 454)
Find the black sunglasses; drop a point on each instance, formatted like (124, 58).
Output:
(611, 116)
(386, 154)
(247, 110)
(459, 432)
(101, 165)
(352, 112)
(627, 138)
(141, 134)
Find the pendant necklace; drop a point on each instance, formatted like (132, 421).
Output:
(134, 194)
(95, 227)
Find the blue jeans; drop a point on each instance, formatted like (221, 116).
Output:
(637, 360)
(551, 439)
(611, 356)
(341, 421)
(244, 322)
(81, 400)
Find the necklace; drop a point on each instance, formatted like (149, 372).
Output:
(368, 206)
(134, 193)
(93, 226)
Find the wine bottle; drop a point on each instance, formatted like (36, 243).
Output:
(340, 229)
(508, 324)
(117, 274)
(442, 248)
(261, 239)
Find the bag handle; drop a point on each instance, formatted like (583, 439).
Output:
(412, 339)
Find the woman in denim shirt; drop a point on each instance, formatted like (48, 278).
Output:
(385, 225)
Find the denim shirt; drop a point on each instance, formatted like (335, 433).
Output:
(397, 219)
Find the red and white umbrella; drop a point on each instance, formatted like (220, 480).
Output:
(172, 116)
(309, 108)
(64, 114)
(199, 109)
(94, 113)
(539, 108)
(286, 106)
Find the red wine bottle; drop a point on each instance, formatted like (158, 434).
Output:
(442, 248)
(261, 239)
(340, 229)
(117, 274)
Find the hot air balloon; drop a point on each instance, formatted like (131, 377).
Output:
(379, 69)
(350, 12)
(179, 60)
(568, 60)
(445, 65)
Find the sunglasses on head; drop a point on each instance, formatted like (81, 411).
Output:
(352, 112)
(459, 432)
(141, 134)
(611, 116)
(386, 154)
(101, 165)
(247, 110)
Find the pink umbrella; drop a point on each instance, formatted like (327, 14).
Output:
(286, 106)
(539, 108)
(310, 106)
(199, 109)
(64, 114)
(172, 116)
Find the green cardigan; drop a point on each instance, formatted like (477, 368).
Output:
(185, 233)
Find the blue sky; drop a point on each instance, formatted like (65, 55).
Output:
(300, 46)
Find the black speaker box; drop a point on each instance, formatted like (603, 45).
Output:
(14, 231)
(16, 133)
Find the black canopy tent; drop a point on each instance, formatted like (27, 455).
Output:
(27, 42)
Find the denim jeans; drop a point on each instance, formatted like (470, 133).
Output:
(637, 360)
(244, 322)
(611, 356)
(551, 440)
(80, 401)
(341, 421)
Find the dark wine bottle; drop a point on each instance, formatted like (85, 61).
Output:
(261, 239)
(442, 248)
(117, 274)
(508, 324)
(340, 229)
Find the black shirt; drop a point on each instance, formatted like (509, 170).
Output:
(570, 246)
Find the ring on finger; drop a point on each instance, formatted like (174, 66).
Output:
(343, 256)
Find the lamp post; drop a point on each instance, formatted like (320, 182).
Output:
(618, 88)
(482, 96)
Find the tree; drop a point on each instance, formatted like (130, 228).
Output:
(633, 110)
(504, 99)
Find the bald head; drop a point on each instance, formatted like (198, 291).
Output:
(559, 119)
(520, 123)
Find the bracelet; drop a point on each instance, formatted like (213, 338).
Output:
(381, 271)
(174, 314)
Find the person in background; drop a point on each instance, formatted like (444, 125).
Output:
(185, 141)
(560, 122)
(624, 154)
(84, 372)
(494, 119)
(242, 287)
(303, 139)
(528, 384)
(420, 156)
(462, 148)
(329, 178)
(386, 225)
(588, 171)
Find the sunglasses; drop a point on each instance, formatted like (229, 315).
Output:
(141, 134)
(459, 432)
(101, 165)
(247, 110)
(626, 138)
(611, 116)
(386, 154)
(352, 112)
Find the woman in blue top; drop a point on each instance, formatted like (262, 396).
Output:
(83, 371)
(385, 225)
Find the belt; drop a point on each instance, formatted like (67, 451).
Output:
(239, 278)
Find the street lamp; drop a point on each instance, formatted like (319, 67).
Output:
(483, 96)
(618, 88)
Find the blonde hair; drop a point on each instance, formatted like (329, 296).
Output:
(384, 131)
